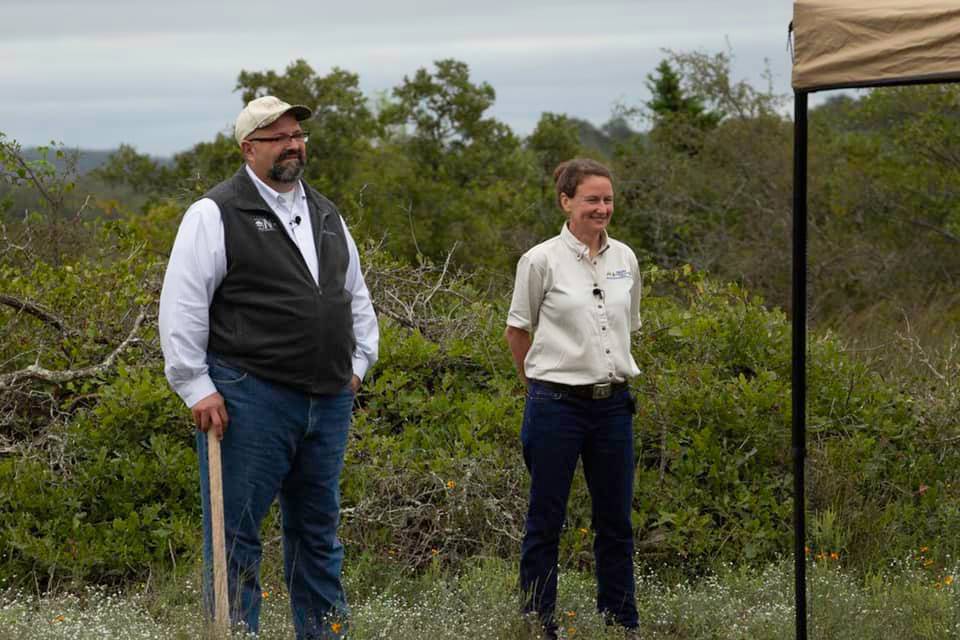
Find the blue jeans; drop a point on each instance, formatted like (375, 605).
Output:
(559, 428)
(284, 442)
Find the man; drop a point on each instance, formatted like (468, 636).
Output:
(267, 330)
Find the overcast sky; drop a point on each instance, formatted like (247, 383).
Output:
(160, 75)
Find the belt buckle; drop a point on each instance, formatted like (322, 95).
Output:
(602, 391)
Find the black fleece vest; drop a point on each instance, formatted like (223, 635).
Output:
(269, 316)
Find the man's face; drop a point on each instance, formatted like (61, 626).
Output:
(273, 154)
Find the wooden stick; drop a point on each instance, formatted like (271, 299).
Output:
(221, 606)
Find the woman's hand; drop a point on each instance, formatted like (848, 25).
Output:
(519, 341)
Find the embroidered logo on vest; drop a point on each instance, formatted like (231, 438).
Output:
(265, 224)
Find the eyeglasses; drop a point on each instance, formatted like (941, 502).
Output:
(299, 136)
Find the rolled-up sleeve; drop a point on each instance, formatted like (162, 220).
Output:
(527, 296)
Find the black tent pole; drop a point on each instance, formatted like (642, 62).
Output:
(799, 354)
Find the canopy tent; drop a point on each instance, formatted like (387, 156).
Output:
(841, 44)
(868, 43)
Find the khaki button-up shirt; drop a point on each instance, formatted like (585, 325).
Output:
(579, 310)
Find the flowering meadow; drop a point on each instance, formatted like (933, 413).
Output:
(909, 599)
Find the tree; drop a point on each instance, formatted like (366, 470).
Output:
(708, 78)
(342, 127)
(884, 174)
(205, 165)
(38, 191)
(192, 173)
(451, 172)
(678, 115)
(445, 111)
(138, 171)
(697, 188)
(554, 140)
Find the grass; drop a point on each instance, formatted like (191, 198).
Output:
(908, 600)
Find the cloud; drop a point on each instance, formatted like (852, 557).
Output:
(160, 75)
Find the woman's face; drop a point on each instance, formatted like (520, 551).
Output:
(591, 207)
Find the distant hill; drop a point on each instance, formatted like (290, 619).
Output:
(605, 138)
(87, 159)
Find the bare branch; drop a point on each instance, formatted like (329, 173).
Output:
(32, 177)
(36, 311)
(36, 372)
(413, 232)
(83, 207)
(9, 245)
(443, 274)
(423, 297)
(935, 228)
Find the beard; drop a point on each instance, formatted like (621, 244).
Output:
(288, 172)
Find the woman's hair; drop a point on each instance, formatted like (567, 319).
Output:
(568, 175)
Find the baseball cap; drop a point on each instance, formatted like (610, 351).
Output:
(263, 112)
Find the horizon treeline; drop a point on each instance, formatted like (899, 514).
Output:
(703, 177)
(443, 198)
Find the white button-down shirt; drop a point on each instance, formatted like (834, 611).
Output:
(197, 266)
(579, 310)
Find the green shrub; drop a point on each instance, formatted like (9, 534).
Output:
(117, 496)
(102, 481)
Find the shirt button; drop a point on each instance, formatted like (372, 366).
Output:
(608, 350)
(609, 375)
(604, 328)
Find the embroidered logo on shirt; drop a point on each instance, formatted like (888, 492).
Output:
(265, 224)
(619, 274)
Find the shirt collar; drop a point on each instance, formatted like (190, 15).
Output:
(580, 249)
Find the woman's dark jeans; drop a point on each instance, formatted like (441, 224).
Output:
(558, 428)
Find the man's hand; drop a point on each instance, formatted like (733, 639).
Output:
(211, 412)
(355, 384)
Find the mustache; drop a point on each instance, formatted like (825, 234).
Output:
(291, 154)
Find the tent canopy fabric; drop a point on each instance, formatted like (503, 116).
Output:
(856, 43)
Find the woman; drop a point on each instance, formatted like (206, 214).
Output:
(575, 301)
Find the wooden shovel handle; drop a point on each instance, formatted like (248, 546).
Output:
(221, 606)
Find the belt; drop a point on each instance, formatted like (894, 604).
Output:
(598, 391)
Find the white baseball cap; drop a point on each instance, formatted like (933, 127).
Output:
(263, 112)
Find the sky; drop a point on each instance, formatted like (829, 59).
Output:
(160, 75)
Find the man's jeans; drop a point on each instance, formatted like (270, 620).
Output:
(557, 429)
(279, 441)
